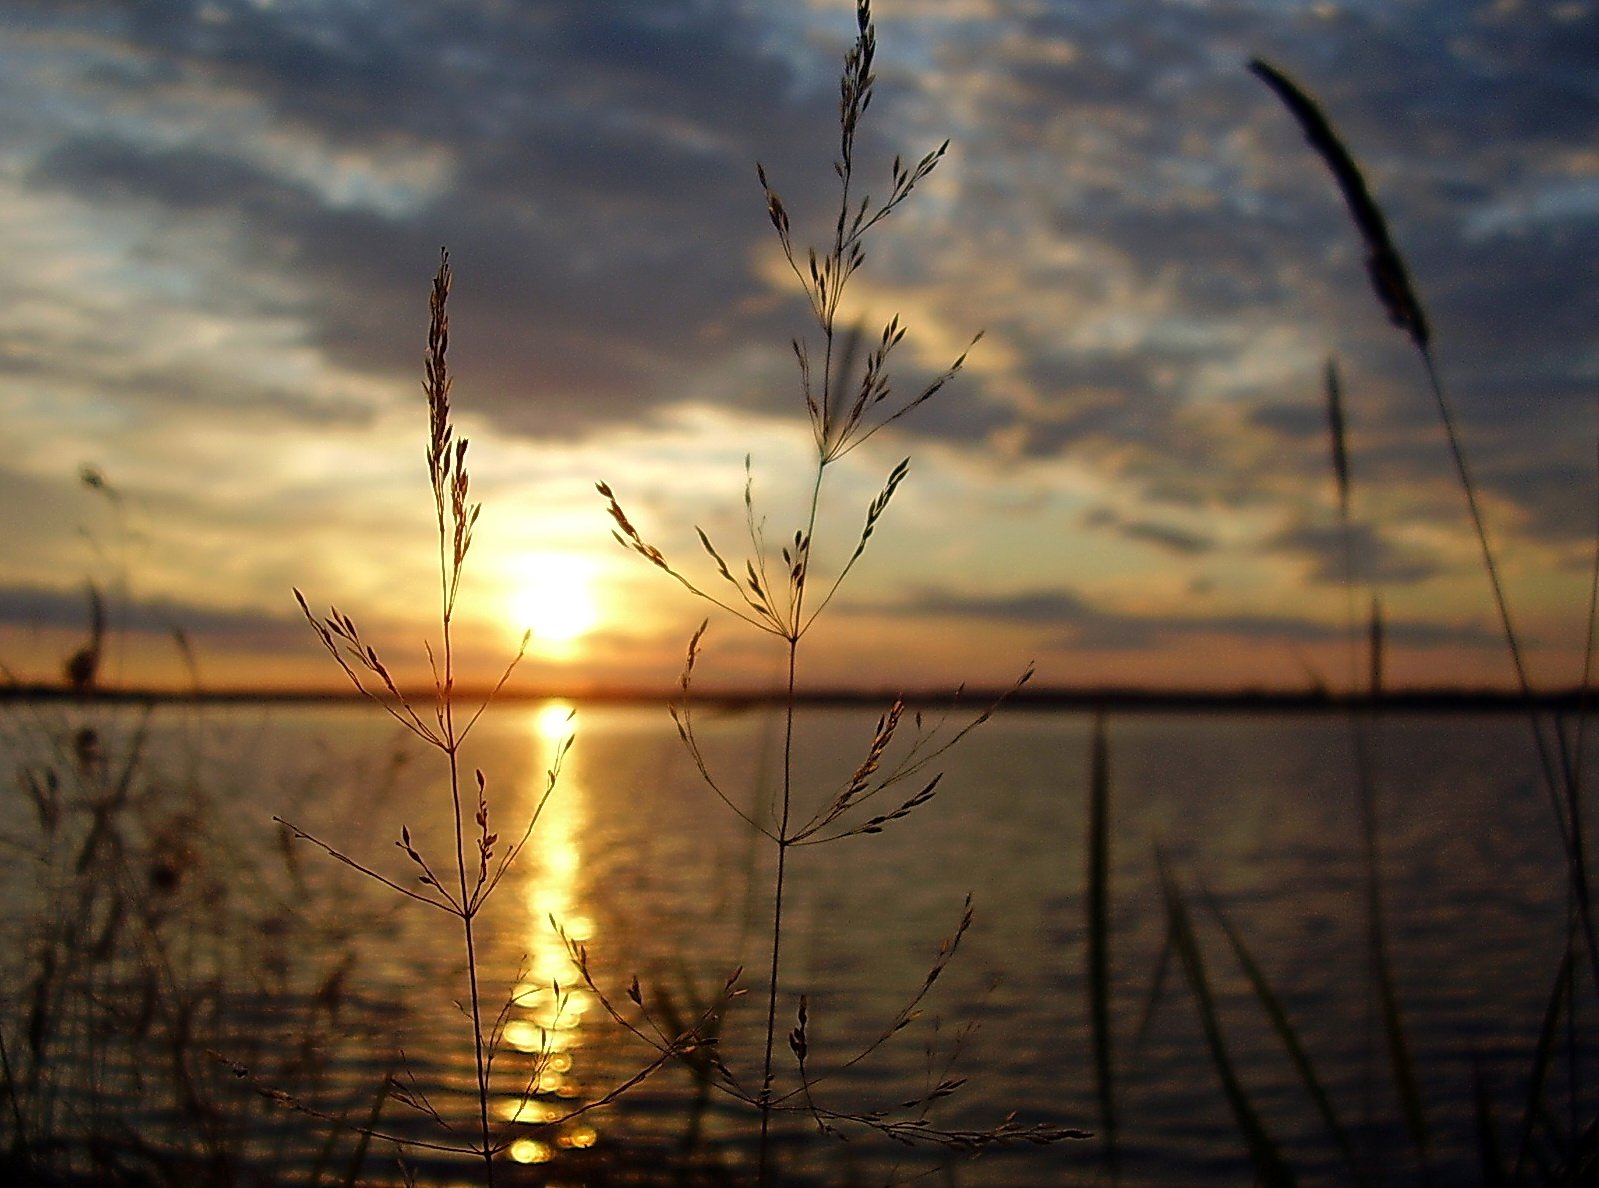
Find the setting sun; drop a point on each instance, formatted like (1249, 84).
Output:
(552, 595)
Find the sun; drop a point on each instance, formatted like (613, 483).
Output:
(553, 596)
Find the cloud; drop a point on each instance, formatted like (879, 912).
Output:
(226, 214)
(599, 195)
(43, 608)
(1083, 625)
(1175, 540)
(1142, 135)
(1375, 557)
(591, 168)
(1168, 537)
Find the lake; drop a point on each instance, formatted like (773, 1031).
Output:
(317, 982)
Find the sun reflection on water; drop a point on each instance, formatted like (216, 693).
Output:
(531, 1151)
(550, 1001)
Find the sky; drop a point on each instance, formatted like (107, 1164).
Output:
(220, 220)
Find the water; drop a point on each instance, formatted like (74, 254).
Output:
(636, 858)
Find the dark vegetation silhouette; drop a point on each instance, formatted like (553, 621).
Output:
(175, 999)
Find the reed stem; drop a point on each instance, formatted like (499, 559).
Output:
(1554, 761)
(796, 631)
(783, 844)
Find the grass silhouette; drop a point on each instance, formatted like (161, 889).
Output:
(848, 400)
(115, 920)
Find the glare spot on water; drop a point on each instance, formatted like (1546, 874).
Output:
(531, 1151)
(526, 1110)
(559, 1016)
(560, 862)
(553, 722)
(580, 1138)
(525, 1037)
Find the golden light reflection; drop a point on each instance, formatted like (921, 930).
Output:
(527, 1110)
(551, 1000)
(553, 595)
(531, 1151)
(579, 1138)
(552, 722)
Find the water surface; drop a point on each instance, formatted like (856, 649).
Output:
(638, 859)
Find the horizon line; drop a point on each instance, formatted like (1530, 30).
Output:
(1044, 697)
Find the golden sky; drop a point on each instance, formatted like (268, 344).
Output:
(220, 220)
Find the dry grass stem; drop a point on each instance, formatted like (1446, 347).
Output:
(1389, 277)
(1392, 284)
(771, 591)
(461, 885)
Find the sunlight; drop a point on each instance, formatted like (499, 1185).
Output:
(552, 722)
(553, 596)
(551, 1001)
(531, 1151)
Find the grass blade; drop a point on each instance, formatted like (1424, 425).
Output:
(1488, 1150)
(1284, 1028)
(1542, 1057)
(1099, 933)
(1336, 430)
(1157, 987)
(1584, 1165)
(1270, 1168)
(1383, 262)
(358, 1156)
(1399, 1058)
(1392, 283)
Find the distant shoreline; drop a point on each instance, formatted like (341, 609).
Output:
(1120, 699)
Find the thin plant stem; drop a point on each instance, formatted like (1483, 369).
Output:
(784, 840)
(1391, 282)
(1555, 761)
(846, 406)
(1098, 901)
(783, 843)
(450, 510)
(1363, 720)
(468, 914)
(455, 517)
(1590, 643)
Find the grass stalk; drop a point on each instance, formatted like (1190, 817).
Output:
(773, 592)
(1391, 283)
(1362, 721)
(1277, 1014)
(1098, 900)
(1270, 1167)
(779, 884)
(479, 860)
(1543, 1057)
(454, 525)
(1401, 1064)
(1559, 763)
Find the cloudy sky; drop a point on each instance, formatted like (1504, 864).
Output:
(219, 221)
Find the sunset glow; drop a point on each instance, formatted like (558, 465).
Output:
(553, 596)
(221, 228)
